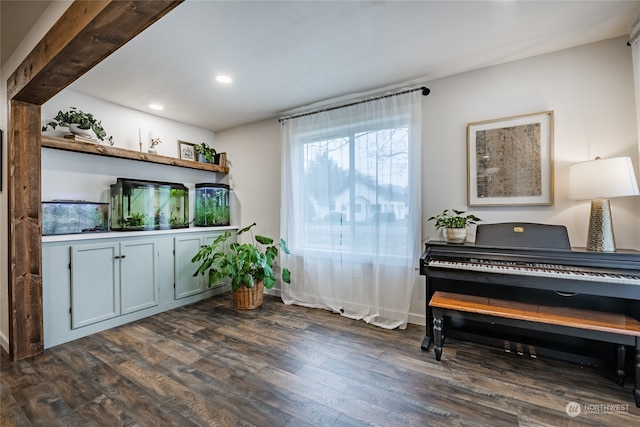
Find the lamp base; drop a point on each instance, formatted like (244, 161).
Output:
(600, 237)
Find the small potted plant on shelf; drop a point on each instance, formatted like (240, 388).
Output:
(79, 123)
(454, 223)
(206, 154)
(153, 144)
(248, 265)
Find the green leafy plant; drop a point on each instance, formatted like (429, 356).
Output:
(207, 152)
(83, 120)
(454, 219)
(135, 220)
(245, 264)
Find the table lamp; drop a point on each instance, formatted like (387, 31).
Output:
(598, 180)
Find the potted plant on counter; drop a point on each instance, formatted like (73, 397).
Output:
(79, 123)
(454, 223)
(248, 265)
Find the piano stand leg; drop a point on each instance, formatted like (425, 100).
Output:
(437, 336)
(622, 357)
(426, 343)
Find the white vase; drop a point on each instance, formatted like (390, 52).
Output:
(455, 235)
(152, 150)
(75, 129)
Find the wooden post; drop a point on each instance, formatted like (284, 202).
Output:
(25, 254)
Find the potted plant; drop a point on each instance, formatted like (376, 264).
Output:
(205, 153)
(79, 123)
(248, 265)
(153, 144)
(455, 224)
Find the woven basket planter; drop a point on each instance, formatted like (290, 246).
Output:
(248, 298)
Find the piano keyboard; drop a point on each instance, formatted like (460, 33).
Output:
(538, 270)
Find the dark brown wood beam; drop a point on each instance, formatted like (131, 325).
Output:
(25, 254)
(85, 34)
(88, 32)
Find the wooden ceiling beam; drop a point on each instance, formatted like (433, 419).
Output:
(87, 32)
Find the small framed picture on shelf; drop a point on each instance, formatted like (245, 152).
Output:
(186, 150)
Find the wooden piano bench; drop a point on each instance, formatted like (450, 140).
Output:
(608, 327)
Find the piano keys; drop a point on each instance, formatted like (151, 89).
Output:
(553, 271)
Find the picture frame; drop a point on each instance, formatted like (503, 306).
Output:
(510, 161)
(186, 150)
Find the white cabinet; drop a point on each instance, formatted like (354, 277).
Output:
(95, 282)
(110, 279)
(185, 249)
(138, 276)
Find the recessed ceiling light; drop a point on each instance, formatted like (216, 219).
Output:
(156, 107)
(223, 78)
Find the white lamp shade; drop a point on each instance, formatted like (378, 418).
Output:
(602, 178)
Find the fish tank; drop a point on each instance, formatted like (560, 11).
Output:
(212, 205)
(138, 204)
(74, 217)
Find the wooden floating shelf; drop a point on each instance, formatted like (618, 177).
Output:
(121, 153)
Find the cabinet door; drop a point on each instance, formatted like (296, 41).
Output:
(185, 248)
(138, 278)
(95, 283)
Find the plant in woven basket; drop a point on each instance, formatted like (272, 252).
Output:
(245, 264)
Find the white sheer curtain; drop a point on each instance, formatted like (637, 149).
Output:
(351, 208)
(635, 53)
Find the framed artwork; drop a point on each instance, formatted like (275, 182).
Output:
(186, 150)
(510, 161)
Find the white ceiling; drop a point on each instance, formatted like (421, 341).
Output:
(284, 55)
(16, 18)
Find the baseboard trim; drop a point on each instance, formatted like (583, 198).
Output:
(4, 342)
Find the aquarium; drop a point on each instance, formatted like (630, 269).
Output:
(74, 216)
(212, 205)
(138, 204)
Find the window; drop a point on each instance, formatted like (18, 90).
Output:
(359, 170)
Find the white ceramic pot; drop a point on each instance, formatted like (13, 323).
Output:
(455, 235)
(75, 129)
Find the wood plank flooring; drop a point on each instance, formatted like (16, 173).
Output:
(209, 365)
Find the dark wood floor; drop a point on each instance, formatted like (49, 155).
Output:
(209, 365)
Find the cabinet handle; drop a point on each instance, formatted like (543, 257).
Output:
(120, 256)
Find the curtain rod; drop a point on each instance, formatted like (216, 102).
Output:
(425, 92)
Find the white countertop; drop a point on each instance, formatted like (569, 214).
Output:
(120, 234)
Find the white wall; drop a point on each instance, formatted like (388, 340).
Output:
(590, 89)
(74, 176)
(254, 175)
(126, 124)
